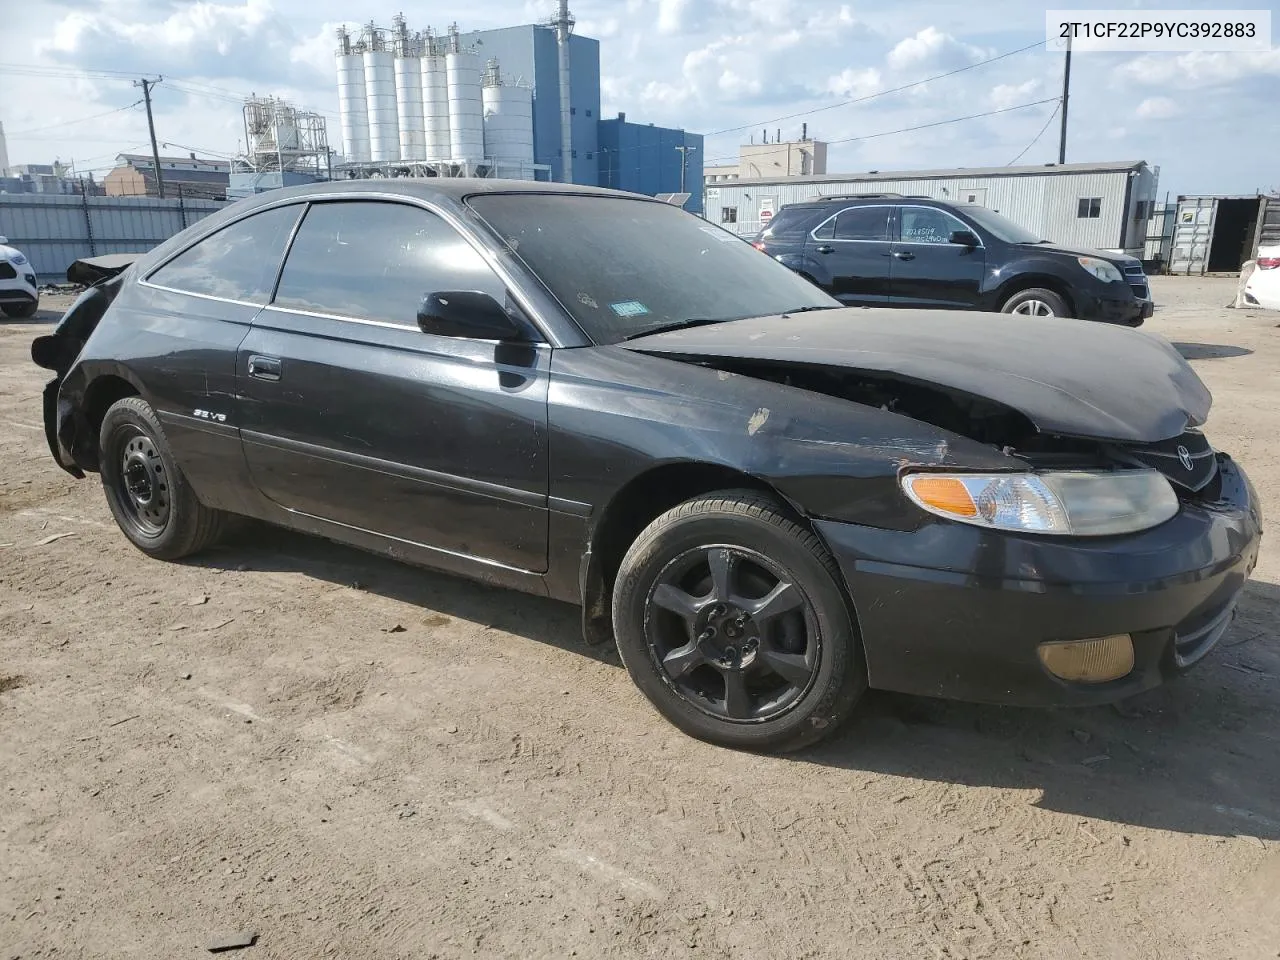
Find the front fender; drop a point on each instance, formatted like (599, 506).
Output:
(1030, 271)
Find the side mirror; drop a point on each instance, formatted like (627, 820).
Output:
(466, 313)
(965, 238)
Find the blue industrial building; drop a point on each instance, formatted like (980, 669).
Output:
(610, 153)
(643, 158)
(529, 54)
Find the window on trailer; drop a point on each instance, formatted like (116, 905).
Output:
(729, 215)
(1089, 208)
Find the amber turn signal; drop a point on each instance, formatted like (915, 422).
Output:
(944, 494)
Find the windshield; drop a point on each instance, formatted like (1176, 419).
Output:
(623, 268)
(1000, 225)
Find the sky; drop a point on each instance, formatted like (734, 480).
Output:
(1210, 121)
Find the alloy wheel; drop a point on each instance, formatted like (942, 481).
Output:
(732, 633)
(1033, 308)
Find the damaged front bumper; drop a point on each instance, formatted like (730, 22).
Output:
(956, 611)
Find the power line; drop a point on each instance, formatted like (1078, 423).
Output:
(67, 123)
(942, 123)
(1036, 139)
(882, 93)
(51, 73)
(76, 71)
(213, 153)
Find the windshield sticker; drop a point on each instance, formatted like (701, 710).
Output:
(722, 235)
(629, 308)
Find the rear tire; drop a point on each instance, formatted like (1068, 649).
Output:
(701, 637)
(20, 311)
(1037, 302)
(147, 492)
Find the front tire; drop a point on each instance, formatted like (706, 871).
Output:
(1037, 302)
(20, 311)
(730, 618)
(147, 492)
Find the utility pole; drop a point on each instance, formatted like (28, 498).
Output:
(684, 163)
(1066, 90)
(146, 86)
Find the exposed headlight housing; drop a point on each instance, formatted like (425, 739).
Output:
(1079, 503)
(1104, 271)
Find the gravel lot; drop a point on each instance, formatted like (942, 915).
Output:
(356, 759)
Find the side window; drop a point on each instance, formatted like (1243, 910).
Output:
(238, 262)
(1089, 208)
(928, 225)
(827, 231)
(376, 261)
(728, 214)
(862, 223)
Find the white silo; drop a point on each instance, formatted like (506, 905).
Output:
(413, 139)
(435, 99)
(508, 125)
(352, 112)
(466, 107)
(380, 91)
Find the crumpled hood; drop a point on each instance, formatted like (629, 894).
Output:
(1068, 377)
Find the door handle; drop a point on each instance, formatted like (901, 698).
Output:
(825, 249)
(904, 254)
(264, 368)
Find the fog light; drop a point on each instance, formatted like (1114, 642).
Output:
(1089, 661)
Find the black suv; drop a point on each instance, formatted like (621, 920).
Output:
(889, 250)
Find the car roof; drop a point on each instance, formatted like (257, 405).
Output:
(450, 190)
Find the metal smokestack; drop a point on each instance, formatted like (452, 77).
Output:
(564, 25)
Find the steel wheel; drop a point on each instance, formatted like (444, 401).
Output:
(732, 634)
(144, 485)
(1033, 308)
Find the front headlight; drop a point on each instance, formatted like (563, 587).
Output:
(1104, 271)
(1077, 503)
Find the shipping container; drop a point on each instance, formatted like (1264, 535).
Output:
(1219, 234)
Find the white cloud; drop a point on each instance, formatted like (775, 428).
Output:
(202, 24)
(671, 15)
(1191, 71)
(603, 29)
(1005, 95)
(932, 47)
(852, 82)
(1158, 108)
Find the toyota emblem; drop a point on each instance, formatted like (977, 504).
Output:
(1184, 457)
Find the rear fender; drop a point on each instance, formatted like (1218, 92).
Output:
(807, 265)
(64, 420)
(59, 350)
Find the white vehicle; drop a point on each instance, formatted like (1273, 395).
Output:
(18, 294)
(1262, 289)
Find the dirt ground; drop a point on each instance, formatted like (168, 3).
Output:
(356, 759)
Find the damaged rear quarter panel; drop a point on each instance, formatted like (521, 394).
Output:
(616, 413)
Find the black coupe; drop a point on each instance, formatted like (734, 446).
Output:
(769, 501)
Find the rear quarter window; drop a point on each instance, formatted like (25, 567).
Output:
(789, 222)
(238, 262)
